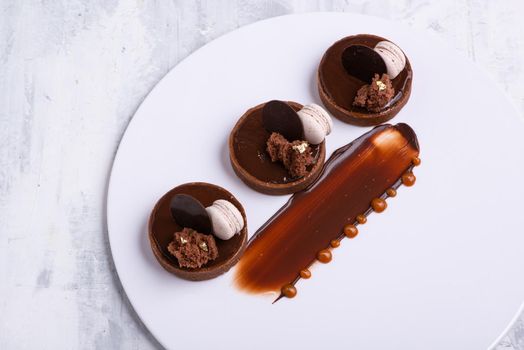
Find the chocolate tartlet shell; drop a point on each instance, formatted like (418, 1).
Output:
(356, 115)
(265, 186)
(162, 227)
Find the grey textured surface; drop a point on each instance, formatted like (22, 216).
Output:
(72, 73)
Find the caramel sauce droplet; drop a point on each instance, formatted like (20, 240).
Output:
(362, 219)
(289, 291)
(408, 179)
(378, 205)
(351, 231)
(391, 192)
(305, 273)
(324, 256)
(335, 243)
(416, 161)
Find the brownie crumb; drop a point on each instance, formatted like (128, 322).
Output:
(376, 95)
(193, 249)
(276, 146)
(296, 156)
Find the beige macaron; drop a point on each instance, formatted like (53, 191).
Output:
(226, 219)
(393, 57)
(316, 122)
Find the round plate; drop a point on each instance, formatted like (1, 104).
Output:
(441, 268)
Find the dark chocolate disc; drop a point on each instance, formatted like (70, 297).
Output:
(280, 117)
(362, 62)
(189, 212)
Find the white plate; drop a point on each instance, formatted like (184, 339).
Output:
(440, 269)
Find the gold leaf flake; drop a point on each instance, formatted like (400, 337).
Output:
(203, 246)
(301, 148)
(381, 85)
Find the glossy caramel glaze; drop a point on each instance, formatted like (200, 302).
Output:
(302, 230)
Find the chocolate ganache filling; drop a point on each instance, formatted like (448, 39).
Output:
(355, 181)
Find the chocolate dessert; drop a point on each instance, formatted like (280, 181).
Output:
(356, 181)
(278, 147)
(364, 79)
(198, 231)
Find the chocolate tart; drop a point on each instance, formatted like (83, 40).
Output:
(161, 228)
(252, 164)
(337, 88)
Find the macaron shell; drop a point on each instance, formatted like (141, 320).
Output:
(313, 133)
(222, 228)
(393, 57)
(323, 115)
(225, 218)
(231, 212)
(316, 122)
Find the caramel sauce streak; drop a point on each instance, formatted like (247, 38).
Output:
(353, 176)
(395, 186)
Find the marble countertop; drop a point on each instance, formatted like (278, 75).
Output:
(71, 76)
